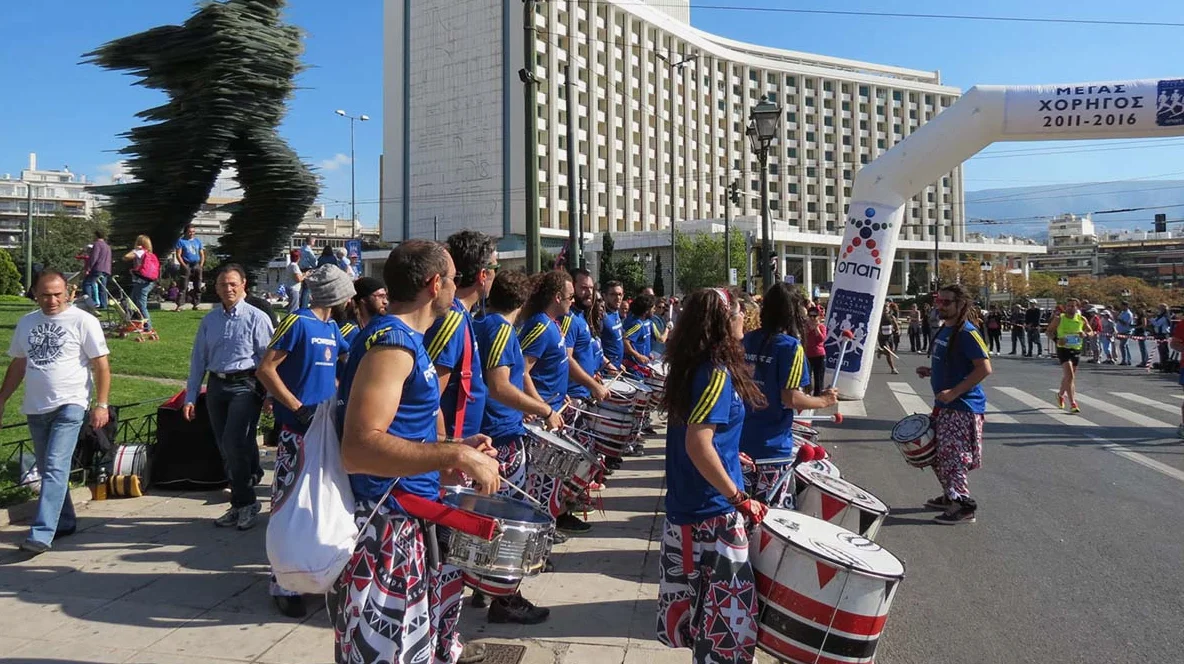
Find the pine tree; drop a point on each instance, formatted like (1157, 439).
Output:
(606, 260)
(659, 281)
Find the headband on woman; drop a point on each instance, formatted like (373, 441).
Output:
(724, 297)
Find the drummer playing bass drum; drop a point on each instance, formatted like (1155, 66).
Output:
(960, 362)
(704, 554)
(779, 367)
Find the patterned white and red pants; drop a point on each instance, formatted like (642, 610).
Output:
(959, 436)
(707, 598)
(391, 604)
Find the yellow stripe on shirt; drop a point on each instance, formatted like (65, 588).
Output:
(499, 346)
(710, 397)
(566, 325)
(444, 334)
(535, 333)
(285, 325)
(795, 371)
(981, 344)
(633, 330)
(349, 327)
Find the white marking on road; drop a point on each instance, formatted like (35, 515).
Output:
(1137, 398)
(853, 408)
(1174, 473)
(1122, 413)
(1045, 407)
(996, 415)
(908, 399)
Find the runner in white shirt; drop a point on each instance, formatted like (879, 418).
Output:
(54, 351)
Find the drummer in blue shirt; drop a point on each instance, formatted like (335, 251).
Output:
(584, 363)
(638, 336)
(779, 368)
(704, 554)
(611, 327)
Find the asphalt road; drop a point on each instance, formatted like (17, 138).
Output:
(1078, 551)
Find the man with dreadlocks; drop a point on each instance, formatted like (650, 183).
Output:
(960, 362)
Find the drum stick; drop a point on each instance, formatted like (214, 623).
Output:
(848, 339)
(772, 493)
(519, 490)
(837, 418)
(609, 386)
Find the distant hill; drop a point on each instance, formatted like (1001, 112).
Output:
(1014, 207)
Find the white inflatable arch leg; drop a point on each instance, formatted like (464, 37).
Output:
(1115, 109)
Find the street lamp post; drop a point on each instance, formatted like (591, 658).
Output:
(1063, 282)
(353, 197)
(765, 118)
(673, 153)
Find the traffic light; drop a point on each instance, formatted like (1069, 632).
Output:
(1161, 223)
(734, 192)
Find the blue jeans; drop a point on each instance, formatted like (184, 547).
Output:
(1143, 351)
(95, 287)
(1124, 345)
(234, 407)
(140, 290)
(55, 435)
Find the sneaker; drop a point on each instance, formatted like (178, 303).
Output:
(548, 567)
(516, 609)
(472, 653)
(477, 601)
(247, 516)
(895, 372)
(229, 519)
(612, 464)
(290, 605)
(33, 546)
(570, 523)
(942, 502)
(558, 538)
(958, 513)
(1074, 409)
(1061, 401)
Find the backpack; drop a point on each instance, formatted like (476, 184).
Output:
(149, 267)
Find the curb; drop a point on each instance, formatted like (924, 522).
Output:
(23, 512)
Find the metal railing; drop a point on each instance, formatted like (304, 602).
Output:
(20, 455)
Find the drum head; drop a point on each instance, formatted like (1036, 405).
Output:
(497, 507)
(774, 461)
(819, 465)
(803, 429)
(553, 439)
(845, 490)
(660, 369)
(826, 541)
(622, 389)
(911, 428)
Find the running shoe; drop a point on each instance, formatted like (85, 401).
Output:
(942, 502)
(958, 513)
(1061, 401)
(1075, 410)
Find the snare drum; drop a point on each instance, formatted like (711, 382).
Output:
(130, 460)
(520, 546)
(806, 433)
(621, 396)
(612, 447)
(821, 465)
(824, 593)
(840, 502)
(610, 424)
(554, 455)
(916, 439)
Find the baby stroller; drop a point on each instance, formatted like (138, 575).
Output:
(124, 318)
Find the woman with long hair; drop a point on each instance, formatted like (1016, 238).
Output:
(142, 280)
(960, 362)
(778, 357)
(816, 346)
(705, 541)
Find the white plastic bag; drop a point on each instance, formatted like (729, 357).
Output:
(311, 532)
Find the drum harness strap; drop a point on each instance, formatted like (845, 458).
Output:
(464, 390)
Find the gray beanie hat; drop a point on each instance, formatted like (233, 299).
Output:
(328, 286)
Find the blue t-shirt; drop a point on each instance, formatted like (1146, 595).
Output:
(446, 344)
(689, 497)
(415, 419)
(541, 339)
(640, 333)
(350, 331)
(779, 364)
(578, 337)
(658, 324)
(612, 338)
(499, 348)
(310, 369)
(970, 347)
(190, 250)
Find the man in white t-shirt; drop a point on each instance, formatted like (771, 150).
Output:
(55, 351)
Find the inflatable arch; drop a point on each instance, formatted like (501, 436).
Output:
(985, 114)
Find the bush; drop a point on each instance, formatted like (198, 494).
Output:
(10, 278)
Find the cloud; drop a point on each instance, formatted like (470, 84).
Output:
(226, 185)
(112, 173)
(335, 163)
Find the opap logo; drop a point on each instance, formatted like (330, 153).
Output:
(869, 235)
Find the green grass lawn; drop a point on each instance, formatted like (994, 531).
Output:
(167, 358)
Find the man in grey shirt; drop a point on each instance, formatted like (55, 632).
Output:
(98, 270)
(230, 342)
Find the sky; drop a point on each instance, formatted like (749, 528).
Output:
(72, 114)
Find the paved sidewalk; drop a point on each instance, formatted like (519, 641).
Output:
(151, 580)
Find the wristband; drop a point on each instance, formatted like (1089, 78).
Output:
(738, 498)
(551, 411)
